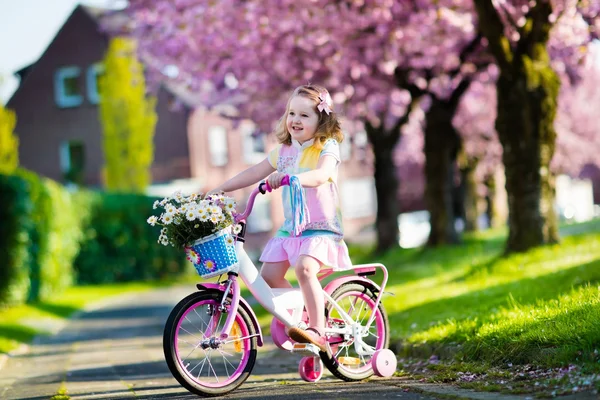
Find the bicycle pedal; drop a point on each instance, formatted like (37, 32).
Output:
(305, 349)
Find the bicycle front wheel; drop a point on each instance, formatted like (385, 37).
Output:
(200, 361)
(358, 301)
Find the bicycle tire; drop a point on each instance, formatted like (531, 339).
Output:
(332, 360)
(174, 362)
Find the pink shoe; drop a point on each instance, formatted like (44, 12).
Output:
(310, 335)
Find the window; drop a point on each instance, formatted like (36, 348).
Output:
(260, 218)
(217, 145)
(345, 147)
(72, 161)
(364, 205)
(94, 72)
(254, 144)
(67, 92)
(361, 142)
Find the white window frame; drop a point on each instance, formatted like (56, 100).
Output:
(217, 145)
(251, 156)
(65, 160)
(62, 99)
(92, 82)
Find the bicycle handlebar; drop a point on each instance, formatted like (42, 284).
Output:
(263, 188)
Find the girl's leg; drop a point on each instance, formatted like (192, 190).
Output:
(306, 271)
(274, 274)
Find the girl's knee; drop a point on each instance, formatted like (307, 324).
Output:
(306, 268)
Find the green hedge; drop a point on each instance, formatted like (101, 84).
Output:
(16, 223)
(64, 219)
(51, 238)
(40, 238)
(119, 244)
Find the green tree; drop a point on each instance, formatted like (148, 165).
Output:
(128, 119)
(9, 142)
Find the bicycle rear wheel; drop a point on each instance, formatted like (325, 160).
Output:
(358, 300)
(196, 356)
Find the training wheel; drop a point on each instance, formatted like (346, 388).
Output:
(310, 369)
(384, 363)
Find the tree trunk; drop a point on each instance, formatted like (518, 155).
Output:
(496, 199)
(386, 186)
(441, 145)
(467, 198)
(527, 95)
(471, 198)
(527, 102)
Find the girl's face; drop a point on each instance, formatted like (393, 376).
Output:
(302, 119)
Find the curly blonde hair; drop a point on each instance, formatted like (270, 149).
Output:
(329, 126)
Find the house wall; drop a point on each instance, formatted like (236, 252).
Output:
(42, 126)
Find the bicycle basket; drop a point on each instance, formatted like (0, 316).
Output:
(213, 255)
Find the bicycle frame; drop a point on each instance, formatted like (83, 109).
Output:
(279, 302)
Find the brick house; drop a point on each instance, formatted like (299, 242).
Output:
(195, 149)
(57, 111)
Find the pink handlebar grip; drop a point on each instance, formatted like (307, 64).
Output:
(286, 180)
(268, 187)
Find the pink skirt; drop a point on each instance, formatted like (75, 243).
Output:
(330, 252)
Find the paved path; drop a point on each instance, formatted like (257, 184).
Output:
(115, 352)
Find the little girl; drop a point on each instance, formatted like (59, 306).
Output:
(309, 134)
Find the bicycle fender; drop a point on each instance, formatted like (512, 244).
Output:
(336, 283)
(243, 303)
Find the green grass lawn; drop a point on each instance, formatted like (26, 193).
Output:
(539, 307)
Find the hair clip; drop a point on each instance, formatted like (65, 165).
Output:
(326, 102)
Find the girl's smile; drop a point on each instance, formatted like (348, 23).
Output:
(302, 119)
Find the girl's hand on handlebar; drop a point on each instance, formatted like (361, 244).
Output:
(275, 179)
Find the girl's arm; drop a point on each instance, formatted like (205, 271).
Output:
(324, 171)
(247, 177)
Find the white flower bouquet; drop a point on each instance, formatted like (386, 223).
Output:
(186, 219)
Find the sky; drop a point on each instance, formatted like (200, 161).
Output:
(26, 29)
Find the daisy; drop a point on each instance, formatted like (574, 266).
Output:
(170, 208)
(152, 220)
(190, 215)
(167, 218)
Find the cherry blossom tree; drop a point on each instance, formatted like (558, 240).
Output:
(378, 58)
(519, 37)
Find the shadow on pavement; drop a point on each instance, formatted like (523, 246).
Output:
(129, 312)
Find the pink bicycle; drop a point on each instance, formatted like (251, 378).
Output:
(211, 336)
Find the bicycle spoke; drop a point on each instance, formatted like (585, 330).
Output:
(190, 353)
(206, 360)
(191, 334)
(211, 368)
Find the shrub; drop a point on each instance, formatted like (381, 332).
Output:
(14, 239)
(119, 245)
